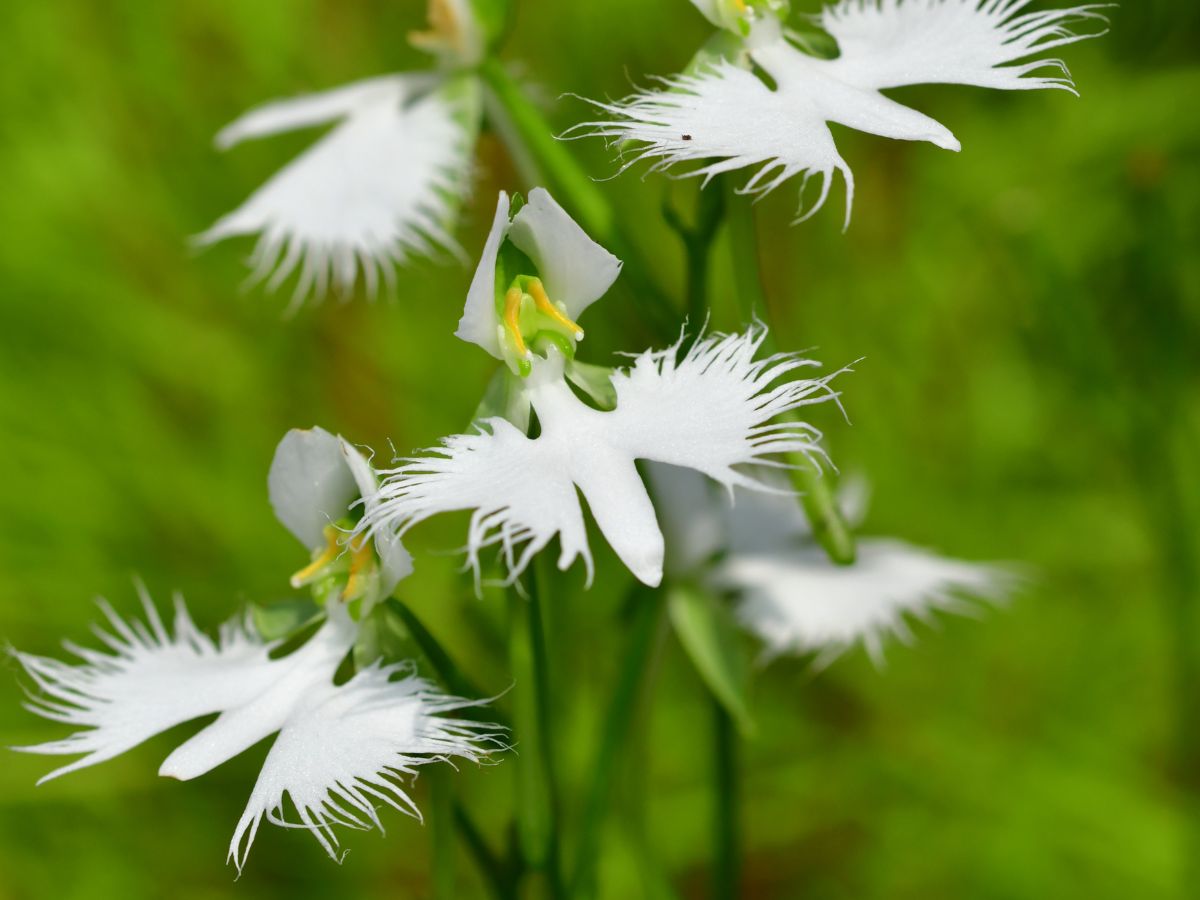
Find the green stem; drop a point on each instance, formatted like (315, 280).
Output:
(614, 736)
(550, 154)
(526, 126)
(537, 800)
(697, 241)
(816, 491)
(441, 832)
(443, 666)
(726, 830)
(499, 877)
(454, 681)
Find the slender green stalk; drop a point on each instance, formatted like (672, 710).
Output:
(441, 832)
(648, 619)
(525, 125)
(449, 674)
(551, 155)
(697, 241)
(500, 878)
(816, 491)
(726, 867)
(537, 800)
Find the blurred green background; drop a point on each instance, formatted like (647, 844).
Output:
(1029, 311)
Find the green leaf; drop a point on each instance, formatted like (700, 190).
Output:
(720, 47)
(709, 635)
(505, 398)
(595, 381)
(283, 618)
(814, 43)
(382, 635)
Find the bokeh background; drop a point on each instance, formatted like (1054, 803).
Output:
(1029, 311)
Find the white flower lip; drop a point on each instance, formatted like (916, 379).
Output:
(791, 596)
(709, 409)
(725, 118)
(800, 602)
(378, 188)
(339, 750)
(314, 480)
(576, 270)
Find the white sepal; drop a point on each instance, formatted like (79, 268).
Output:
(396, 561)
(378, 188)
(478, 322)
(310, 484)
(575, 269)
(316, 479)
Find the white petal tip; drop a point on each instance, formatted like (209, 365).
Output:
(180, 768)
(651, 576)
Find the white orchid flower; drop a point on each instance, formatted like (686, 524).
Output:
(790, 594)
(340, 750)
(537, 274)
(711, 408)
(725, 117)
(383, 185)
(455, 36)
(316, 482)
(739, 16)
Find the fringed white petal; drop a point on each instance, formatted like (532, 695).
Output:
(710, 410)
(889, 43)
(575, 269)
(478, 322)
(292, 678)
(714, 407)
(380, 187)
(343, 750)
(310, 484)
(724, 119)
(801, 602)
(150, 681)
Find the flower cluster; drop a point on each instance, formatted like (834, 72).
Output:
(341, 748)
(689, 458)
